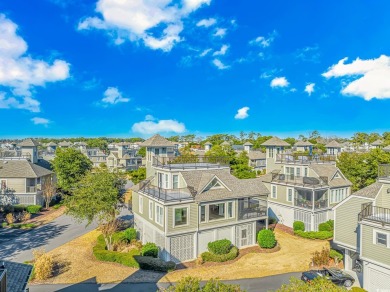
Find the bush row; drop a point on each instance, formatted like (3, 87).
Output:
(32, 209)
(154, 264)
(212, 257)
(298, 225)
(125, 236)
(314, 234)
(102, 254)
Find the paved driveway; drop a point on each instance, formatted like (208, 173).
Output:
(250, 285)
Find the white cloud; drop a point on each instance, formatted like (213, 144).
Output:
(113, 96)
(222, 51)
(205, 52)
(371, 77)
(310, 88)
(134, 19)
(220, 65)
(264, 41)
(279, 82)
(40, 121)
(220, 32)
(150, 127)
(242, 113)
(20, 73)
(149, 118)
(207, 22)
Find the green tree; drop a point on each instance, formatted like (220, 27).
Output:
(142, 152)
(138, 175)
(319, 284)
(290, 141)
(70, 165)
(96, 198)
(100, 143)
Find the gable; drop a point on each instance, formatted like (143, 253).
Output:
(214, 184)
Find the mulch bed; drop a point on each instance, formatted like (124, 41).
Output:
(282, 227)
(242, 252)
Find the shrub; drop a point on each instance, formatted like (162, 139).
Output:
(8, 209)
(33, 209)
(27, 226)
(43, 265)
(185, 284)
(102, 254)
(266, 238)
(321, 258)
(331, 223)
(25, 216)
(219, 246)
(130, 234)
(20, 208)
(4, 224)
(212, 257)
(149, 250)
(324, 227)
(10, 218)
(154, 264)
(357, 289)
(215, 285)
(271, 220)
(314, 234)
(298, 225)
(118, 237)
(336, 256)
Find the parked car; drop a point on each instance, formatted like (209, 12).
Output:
(337, 276)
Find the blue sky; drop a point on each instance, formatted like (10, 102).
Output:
(138, 67)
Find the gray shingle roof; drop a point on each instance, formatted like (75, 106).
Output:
(237, 188)
(248, 143)
(208, 143)
(333, 144)
(28, 143)
(21, 169)
(377, 143)
(51, 144)
(387, 148)
(329, 170)
(225, 143)
(157, 141)
(370, 191)
(275, 141)
(65, 144)
(302, 143)
(254, 155)
(17, 275)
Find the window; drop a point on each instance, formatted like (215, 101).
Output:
(141, 204)
(298, 171)
(216, 211)
(151, 210)
(156, 151)
(159, 215)
(271, 152)
(163, 150)
(203, 213)
(332, 196)
(289, 195)
(305, 171)
(214, 184)
(230, 210)
(273, 195)
(175, 181)
(381, 238)
(181, 216)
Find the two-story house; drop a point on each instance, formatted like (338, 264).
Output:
(96, 156)
(333, 148)
(187, 202)
(123, 157)
(362, 231)
(21, 178)
(302, 187)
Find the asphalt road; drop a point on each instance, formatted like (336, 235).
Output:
(250, 285)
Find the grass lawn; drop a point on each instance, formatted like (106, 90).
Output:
(294, 256)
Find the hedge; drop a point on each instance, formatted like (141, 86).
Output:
(298, 225)
(219, 246)
(102, 254)
(20, 208)
(314, 234)
(149, 250)
(33, 209)
(324, 227)
(211, 257)
(335, 254)
(331, 223)
(266, 238)
(154, 264)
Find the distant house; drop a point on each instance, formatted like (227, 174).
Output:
(378, 144)
(183, 205)
(65, 144)
(333, 148)
(257, 159)
(96, 156)
(123, 158)
(303, 146)
(51, 147)
(362, 231)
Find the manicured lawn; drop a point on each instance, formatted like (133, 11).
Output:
(294, 256)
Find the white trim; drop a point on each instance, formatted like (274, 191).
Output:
(219, 180)
(375, 262)
(374, 238)
(292, 194)
(151, 210)
(140, 204)
(272, 191)
(155, 217)
(350, 197)
(188, 216)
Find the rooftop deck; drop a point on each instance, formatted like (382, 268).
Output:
(296, 158)
(191, 162)
(301, 181)
(165, 195)
(375, 214)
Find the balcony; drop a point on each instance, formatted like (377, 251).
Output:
(250, 208)
(31, 189)
(375, 214)
(302, 181)
(165, 195)
(309, 204)
(190, 162)
(297, 158)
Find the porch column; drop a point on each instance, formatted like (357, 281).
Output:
(312, 200)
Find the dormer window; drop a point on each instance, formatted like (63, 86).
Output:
(214, 184)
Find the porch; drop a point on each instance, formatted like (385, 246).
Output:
(311, 199)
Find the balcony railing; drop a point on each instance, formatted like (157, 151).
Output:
(165, 195)
(190, 162)
(249, 208)
(375, 214)
(31, 189)
(304, 181)
(296, 158)
(308, 204)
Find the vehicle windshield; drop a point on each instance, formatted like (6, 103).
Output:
(337, 273)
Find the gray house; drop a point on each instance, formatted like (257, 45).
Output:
(362, 231)
(186, 203)
(302, 187)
